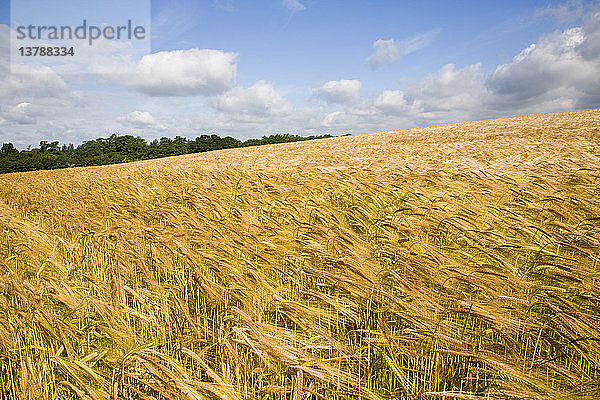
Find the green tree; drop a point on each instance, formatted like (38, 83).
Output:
(8, 149)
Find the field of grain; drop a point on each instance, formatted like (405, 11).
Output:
(450, 262)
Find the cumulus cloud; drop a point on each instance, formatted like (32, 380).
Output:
(343, 91)
(449, 94)
(36, 80)
(294, 5)
(393, 102)
(558, 72)
(260, 99)
(385, 51)
(451, 89)
(29, 101)
(185, 73)
(590, 48)
(339, 119)
(560, 64)
(141, 119)
(40, 81)
(20, 114)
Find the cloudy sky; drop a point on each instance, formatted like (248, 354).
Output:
(251, 68)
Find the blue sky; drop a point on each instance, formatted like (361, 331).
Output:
(247, 69)
(332, 38)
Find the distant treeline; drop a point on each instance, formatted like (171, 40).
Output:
(118, 149)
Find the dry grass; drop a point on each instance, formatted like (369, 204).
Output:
(452, 262)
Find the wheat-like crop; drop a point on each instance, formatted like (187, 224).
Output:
(451, 262)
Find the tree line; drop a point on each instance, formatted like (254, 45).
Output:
(119, 149)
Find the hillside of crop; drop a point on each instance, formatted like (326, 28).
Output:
(450, 262)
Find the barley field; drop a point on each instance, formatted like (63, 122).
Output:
(450, 262)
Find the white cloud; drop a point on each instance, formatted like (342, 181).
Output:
(294, 5)
(31, 99)
(449, 95)
(341, 92)
(226, 5)
(392, 102)
(41, 81)
(141, 119)
(590, 48)
(566, 12)
(21, 114)
(185, 73)
(451, 89)
(559, 72)
(418, 42)
(448, 90)
(386, 51)
(561, 64)
(260, 100)
(390, 51)
(36, 81)
(339, 119)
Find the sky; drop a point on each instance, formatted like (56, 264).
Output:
(251, 68)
